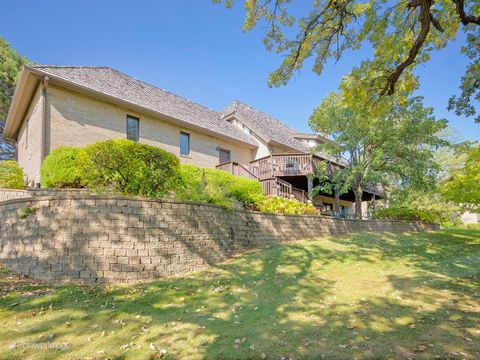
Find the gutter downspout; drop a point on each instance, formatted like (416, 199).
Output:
(44, 123)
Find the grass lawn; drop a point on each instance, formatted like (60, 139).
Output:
(362, 296)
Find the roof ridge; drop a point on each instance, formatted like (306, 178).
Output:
(266, 114)
(272, 129)
(41, 66)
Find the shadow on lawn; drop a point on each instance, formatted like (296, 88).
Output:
(281, 302)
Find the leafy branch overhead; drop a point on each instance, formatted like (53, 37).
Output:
(402, 34)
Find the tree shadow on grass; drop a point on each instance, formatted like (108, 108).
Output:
(364, 296)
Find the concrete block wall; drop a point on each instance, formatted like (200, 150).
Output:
(106, 239)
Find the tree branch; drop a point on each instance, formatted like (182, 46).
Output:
(425, 19)
(466, 19)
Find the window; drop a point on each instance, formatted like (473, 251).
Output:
(132, 128)
(184, 144)
(223, 156)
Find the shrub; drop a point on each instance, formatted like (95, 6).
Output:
(11, 175)
(279, 205)
(410, 214)
(127, 167)
(217, 187)
(473, 226)
(61, 168)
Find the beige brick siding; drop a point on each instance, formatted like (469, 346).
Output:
(106, 239)
(78, 120)
(29, 139)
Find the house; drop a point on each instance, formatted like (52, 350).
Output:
(78, 105)
(470, 218)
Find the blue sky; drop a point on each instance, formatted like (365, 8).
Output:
(197, 50)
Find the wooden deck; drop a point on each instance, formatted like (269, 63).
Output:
(266, 170)
(269, 170)
(282, 165)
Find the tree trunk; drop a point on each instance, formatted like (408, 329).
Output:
(358, 202)
(310, 187)
(336, 206)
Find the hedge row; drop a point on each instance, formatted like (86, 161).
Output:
(409, 214)
(126, 167)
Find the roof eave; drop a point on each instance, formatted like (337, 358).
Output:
(273, 142)
(53, 79)
(24, 90)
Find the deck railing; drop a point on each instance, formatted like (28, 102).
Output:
(268, 168)
(236, 169)
(281, 188)
(276, 187)
(282, 165)
(300, 195)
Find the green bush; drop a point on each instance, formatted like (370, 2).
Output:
(279, 205)
(11, 175)
(217, 187)
(410, 214)
(473, 226)
(126, 167)
(61, 168)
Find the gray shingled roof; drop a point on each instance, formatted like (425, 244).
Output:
(123, 87)
(265, 126)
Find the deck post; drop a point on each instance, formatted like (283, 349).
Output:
(310, 186)
(271, 165)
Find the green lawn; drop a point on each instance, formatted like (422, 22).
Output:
(363, 296)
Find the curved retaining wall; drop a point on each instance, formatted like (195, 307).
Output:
(11, 194)
(108, 239)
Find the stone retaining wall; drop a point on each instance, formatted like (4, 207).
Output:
(107, 239)
(11, 194)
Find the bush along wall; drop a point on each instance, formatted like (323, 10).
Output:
(11, 175)
(61, 169)
(126, 167)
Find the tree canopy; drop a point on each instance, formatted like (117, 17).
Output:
(10, 65)
(463, 187)
(402, 35)
(394, 146)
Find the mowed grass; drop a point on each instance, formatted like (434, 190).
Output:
(362, 296)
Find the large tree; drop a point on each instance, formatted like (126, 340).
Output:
(394, 145)
(429, 198)
(463, 186)
(402, 35)
(10, 65)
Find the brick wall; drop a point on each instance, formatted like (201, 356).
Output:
(107, 239)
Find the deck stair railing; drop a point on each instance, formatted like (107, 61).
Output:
(237, 169)
(281, 188)
(266, 169)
